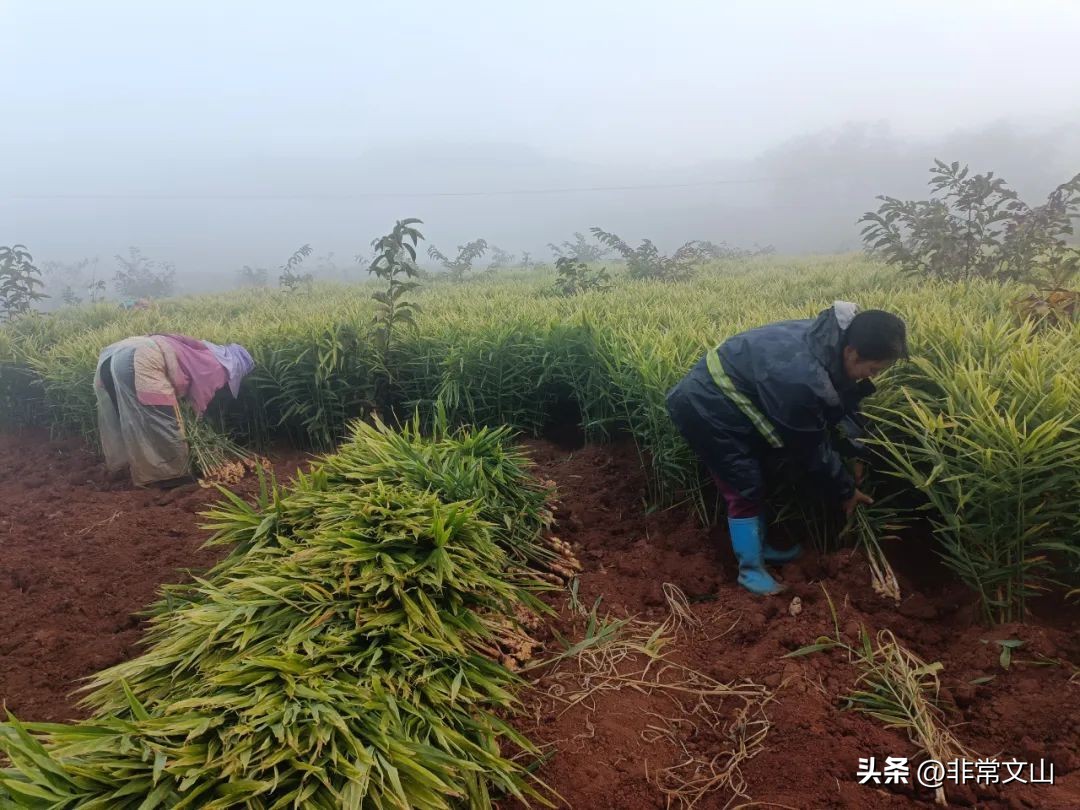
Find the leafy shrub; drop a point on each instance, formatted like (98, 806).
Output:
(253, 276)
(291, 280)
(140, 277)
(576, 277)
(714, 251)
(581, 249)
(458, 268)
(19, 280)
(647, 262)
(69, 278)
(501, 259)
(975, 226)
(95, 290)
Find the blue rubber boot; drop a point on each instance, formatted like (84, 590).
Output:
(777, 556)
(746, 541)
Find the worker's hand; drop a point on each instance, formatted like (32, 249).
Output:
(856, 500)
(860, 473)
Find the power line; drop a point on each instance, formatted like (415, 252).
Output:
(422, 194)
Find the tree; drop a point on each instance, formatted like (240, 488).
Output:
(575, 277)
(459, 267)
(253, 276)
(714, 251)
(68, 276)
(581, 249)
(140, 277)
(94, 286)
(290, 279)
(395, 264)
(96, 290)
(500, 259)
(19, 280)
(975, 226)
(647, 262)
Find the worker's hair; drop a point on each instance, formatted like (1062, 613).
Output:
(877, 335)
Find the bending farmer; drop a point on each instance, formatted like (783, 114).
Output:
(139, 382)
(781, 389)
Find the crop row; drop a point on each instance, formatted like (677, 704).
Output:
(983, 420)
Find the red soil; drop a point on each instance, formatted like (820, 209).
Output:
(812, 748)
(78, 557)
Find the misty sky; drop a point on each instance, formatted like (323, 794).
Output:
(106, 101)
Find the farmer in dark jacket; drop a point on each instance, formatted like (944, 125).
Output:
(782, 388)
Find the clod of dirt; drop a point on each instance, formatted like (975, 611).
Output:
(654, 596)
(917, 606)
(756, 620)
(964, 695)
(832, 565)
(793, 572)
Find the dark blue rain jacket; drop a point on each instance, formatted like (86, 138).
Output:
(777, 389)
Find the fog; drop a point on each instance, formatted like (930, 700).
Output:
(215, 135)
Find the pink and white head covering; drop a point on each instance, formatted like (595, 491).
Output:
(236, 360)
